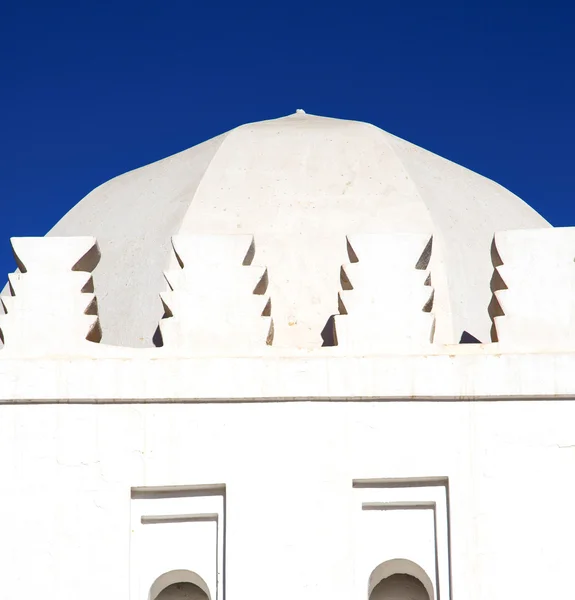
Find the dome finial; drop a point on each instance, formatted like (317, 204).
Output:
(300, 111)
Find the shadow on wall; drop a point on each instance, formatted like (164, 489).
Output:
(179, 585)
(397, 587)
(182, 591)
(400, 579)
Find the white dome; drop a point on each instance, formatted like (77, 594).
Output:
(300, 185)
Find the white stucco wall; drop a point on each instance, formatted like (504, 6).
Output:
(309, 473)
(291, 511)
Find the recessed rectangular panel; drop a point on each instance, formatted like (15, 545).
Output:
(177, 535)
(402, 519)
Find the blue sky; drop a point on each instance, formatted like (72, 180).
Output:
(90, 90)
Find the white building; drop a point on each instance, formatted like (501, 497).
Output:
(309, 420)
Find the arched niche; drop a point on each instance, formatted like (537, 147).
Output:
(179, 576)
(391, 570)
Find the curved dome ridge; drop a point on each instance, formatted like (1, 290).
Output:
(133, 217)
(299, 184)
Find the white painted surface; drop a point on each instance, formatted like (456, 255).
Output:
(182, 535)
(535, 289)
(52, 309)
(389, 306)
(402, 529)
(67, 472)
(300, 185)
(279, 433)
(217, 299)
(221, 305)
(133, 217)
(388, 535)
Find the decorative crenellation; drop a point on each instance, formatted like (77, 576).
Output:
(386, 298)
(533, 285)
(51, 308)
(218, 302)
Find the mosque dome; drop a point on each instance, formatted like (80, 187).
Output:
(299, 184)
